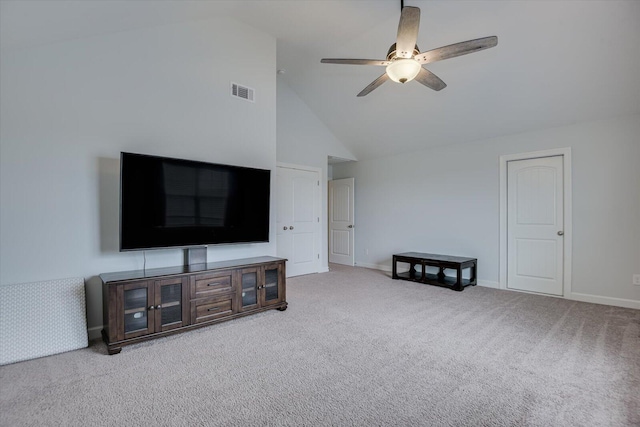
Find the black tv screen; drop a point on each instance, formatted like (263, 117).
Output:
(167, 202)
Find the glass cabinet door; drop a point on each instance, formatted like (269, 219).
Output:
(249, 284)
(138, 302)
(261, 286)
(169, 308)
(271, 291)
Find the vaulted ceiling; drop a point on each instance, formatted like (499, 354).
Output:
(556, 63)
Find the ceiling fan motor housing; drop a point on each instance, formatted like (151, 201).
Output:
(391, 54)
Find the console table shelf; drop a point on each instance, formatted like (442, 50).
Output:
(443, 262)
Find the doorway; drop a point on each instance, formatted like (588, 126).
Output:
(535, 223)
(341, 221)
(298, 218)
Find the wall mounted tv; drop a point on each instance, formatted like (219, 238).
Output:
(167, 202)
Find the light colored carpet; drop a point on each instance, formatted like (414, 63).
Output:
(355, 348)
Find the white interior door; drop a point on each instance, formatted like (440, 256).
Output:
(298, 219)
(341, 221)
(535, 220)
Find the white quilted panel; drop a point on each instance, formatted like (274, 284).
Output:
(42, 318)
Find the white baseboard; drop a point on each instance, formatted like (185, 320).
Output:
(489, 284)
(381, 267)
(388, 269)
(95, 332)
(597, 299)
(324, 269)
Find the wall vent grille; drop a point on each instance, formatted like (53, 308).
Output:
(242, 92)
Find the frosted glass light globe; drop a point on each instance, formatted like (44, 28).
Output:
(403, 70)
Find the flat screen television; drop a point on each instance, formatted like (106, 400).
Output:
(166, 202)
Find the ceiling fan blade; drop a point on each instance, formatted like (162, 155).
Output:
(374, 84)
(355, 61)
(407, 32)
(430, 80)
(457, 49)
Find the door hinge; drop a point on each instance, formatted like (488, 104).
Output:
(318, 183)
(318, 256)
(318, 219)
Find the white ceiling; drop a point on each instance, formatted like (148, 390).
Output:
(556, 63)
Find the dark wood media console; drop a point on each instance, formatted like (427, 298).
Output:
(432, 260)
(146, 304)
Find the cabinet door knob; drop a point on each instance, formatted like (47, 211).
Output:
(285, 228)
(560, 233)
(349, 226)
(291, 227)
(151, 307)
(158, 306)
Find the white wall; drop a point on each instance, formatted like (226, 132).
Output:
(446, 200)
(304, 140)
(68, 109)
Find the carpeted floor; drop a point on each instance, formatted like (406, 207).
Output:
(355, 348)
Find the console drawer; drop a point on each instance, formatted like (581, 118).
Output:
(203, 310)
(205, 285)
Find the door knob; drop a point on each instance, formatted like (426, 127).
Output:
(560, 233)
(349, 226)
(285, 228)
(291, 227)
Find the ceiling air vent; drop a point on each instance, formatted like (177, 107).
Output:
(242, 92)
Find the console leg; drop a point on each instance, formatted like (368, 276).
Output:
(394, 273)
(283, 308)
(458, 286)
(114, 350)
(473, 279)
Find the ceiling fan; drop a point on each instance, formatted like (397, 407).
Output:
(405, 61)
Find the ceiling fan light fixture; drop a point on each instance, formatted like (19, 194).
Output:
(403, 70)
(404, 60)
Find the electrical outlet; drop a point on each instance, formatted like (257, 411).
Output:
(636, 279)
